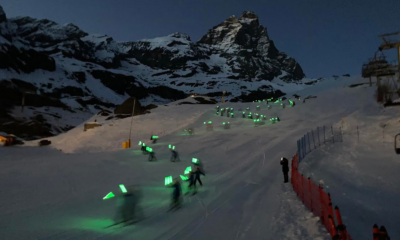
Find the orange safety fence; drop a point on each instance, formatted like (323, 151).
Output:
(318, 202)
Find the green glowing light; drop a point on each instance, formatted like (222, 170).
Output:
(169, 146)
(204, 123)
(195, 160)
(143, 144)
(110, 195)
(229, 123)
(155, 137)
(140, 143)
(223, 123)
(123, 189)
(184, 178)
(168, 180)
(209, 122)
(188, 170)
(173, 148)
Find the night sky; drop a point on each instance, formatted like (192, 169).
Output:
(326, 37)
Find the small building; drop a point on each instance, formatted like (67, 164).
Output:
(90, 125)
(7, 140)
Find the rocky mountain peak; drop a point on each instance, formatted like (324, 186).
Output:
(3, 16)
(249, 17)
(180, 35)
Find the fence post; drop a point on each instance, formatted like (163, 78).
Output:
(333, 136)
(309, 188)
(305, 145)
(334, 233)
(375, 232)
(341, 227)
(312, 131)
(319, 142)
(308, 137)
(324, 134)
(302, 188)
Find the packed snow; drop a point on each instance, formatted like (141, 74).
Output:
(56, 192)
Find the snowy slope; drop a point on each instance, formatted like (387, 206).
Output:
(243, 195)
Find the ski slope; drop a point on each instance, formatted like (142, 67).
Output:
(53, 194)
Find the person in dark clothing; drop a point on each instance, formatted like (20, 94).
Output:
(153, 139)
(285, 169)
(152, 156)
(176, 194)
(143, 149)
(191, 182)
(175, 156)
(197, 176)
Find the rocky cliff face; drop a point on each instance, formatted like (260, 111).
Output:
(245, 43)
(66, 75)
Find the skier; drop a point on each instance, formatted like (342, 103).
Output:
(152, 156)
(153, 139)
(191, 183)
(176, 194)
(285, 169)
(143, 149)
(128, 206)
(197, 176)
(175, 156)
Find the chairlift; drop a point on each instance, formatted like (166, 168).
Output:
(396, 144)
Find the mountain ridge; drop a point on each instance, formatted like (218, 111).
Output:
(83, 73)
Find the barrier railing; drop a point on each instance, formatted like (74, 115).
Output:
(319, 203)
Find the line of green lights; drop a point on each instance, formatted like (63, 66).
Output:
(184, 178)
(123, 189)
(109, 195)
(168, 180)
(188, 170)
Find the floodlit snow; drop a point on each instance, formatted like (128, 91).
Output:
(53, 194)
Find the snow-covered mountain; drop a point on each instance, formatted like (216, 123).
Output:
(67, 75)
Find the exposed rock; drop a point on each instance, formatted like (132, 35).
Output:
(121, 84)
(167, 93)
(149, 107)
(80, 77)
(93, 101)
(44, 142)
(257, 95)
(127, 107)
(201, 100)
(22, 60)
